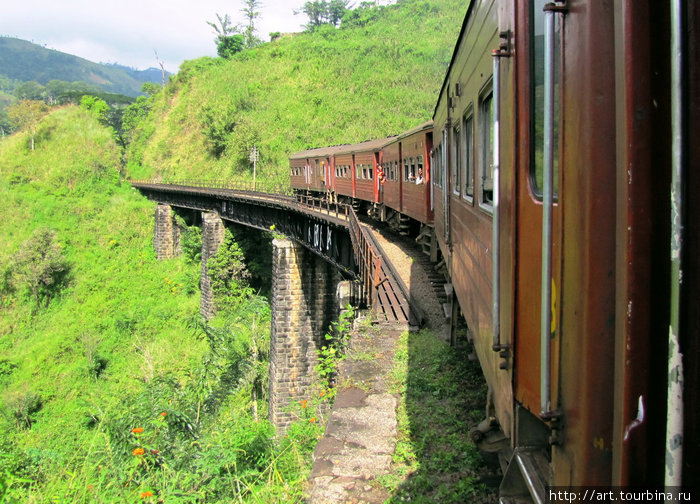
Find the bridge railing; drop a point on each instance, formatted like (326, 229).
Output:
(233, 185)
(378, 287)
(324, 205)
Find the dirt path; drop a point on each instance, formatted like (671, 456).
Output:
(361, 432)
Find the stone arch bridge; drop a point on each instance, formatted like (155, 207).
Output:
(323, 258)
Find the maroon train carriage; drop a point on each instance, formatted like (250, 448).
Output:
(559, 133)
(312, 170)
(365, 158)
(406, 162)
(559, 130)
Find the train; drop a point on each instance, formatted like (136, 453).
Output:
(557, 185)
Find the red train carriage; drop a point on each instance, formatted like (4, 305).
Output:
(365, 158)
(560, 131)
(554, 165)
(313, 170)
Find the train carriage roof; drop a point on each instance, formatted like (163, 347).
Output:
(463, 30)
(369, 145)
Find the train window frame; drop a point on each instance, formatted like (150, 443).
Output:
(456, 168)
(437, 173)
(486, 145)
(537, 142)
(467, 140)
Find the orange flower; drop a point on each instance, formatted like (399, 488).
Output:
(323, 392)
(138, 451)
(163, 414)
(137, 430)
(146, 494)
(312, 419)
(303, 403)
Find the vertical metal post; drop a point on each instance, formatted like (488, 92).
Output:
(674, 422)
(496, 242)
(547, 210)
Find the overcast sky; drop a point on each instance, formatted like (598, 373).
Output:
(128, 31)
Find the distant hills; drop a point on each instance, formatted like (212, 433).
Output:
(21, 60)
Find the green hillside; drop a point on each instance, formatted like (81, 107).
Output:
(21, 60)
(111, 387)
(377, 75)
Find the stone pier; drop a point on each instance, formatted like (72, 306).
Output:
(303, 306)
(212, 236)
(166, 237)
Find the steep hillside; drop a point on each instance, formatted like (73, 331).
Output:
(24, 61)
(377, 75)
(111, 388)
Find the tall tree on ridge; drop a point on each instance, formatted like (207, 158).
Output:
(251, 11)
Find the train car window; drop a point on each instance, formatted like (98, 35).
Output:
(456, 175)
(486, 158)
(405, 169)
(537, 97)
(437, 173)
(468, 156)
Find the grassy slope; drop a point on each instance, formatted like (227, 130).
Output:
(117, 304)
(333, 86)
(311, 89)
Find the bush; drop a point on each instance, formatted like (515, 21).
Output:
(39, 265)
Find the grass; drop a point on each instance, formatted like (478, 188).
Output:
(442, 397)
(115, 349)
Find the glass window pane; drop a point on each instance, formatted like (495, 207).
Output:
(537, 97)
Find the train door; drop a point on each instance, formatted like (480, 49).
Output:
(378, 178)
(538, 216)
(565, 251)
(399, 171)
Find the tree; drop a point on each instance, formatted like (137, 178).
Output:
(26, 115)
(230, 45)
(150, 88)
(228, 39)
(336, 9)
(30, 90)
(251, 13)
(96, 106)
(322, 12)
(40, 266)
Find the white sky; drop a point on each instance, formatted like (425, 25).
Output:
(128, 31)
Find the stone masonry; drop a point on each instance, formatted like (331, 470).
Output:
(212, 236)
(166, 236)
(303, 306)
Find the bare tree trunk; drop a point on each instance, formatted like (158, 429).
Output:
(162, 69)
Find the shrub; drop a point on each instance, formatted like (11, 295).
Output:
(40, 266)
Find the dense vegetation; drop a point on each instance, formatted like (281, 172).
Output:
(112, 388)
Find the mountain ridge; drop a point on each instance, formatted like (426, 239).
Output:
(26, 61)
